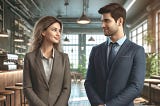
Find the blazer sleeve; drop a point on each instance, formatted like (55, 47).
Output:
(90, 82)
(64, 96)
(135, 83)
(27, 85)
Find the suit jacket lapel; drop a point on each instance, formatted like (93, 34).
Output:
(122, 50)
(103, 58)
(40, 66)
(56, 66)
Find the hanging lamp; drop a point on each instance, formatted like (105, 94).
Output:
(84, 19)
(91, 39)
(66, 39)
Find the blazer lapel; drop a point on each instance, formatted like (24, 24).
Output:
(122, 50)
(40, 66)
(102, 58)
(56, 67)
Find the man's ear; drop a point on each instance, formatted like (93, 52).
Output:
(120, 21)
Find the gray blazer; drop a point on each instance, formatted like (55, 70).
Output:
(37, 90)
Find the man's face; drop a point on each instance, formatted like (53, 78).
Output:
(110, 27)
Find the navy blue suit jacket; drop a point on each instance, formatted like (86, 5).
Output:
(123, 82)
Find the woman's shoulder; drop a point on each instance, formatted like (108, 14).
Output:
(63, 54)
(31, 53)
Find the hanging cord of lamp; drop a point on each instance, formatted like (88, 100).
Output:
(3, 32)
(84, 19)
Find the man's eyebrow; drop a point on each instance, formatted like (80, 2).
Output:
(105, 19)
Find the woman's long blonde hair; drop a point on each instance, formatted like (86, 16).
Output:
(41, 25)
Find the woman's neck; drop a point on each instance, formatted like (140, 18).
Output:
(47, 50)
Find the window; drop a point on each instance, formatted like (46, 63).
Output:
(89, 44)
(71, 48)
(139, 34)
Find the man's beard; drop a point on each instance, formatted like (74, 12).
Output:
(111, 33)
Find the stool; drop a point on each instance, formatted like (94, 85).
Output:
(24, 99)
(2, 100)
(15, 88)
(7, 93)
(19, 84)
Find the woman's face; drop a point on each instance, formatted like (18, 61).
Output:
(52, 33)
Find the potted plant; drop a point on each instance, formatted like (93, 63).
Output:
(82, 66)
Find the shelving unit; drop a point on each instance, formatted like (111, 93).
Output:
(21, 37)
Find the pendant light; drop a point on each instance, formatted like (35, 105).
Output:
(91, 39)
(83, 19)
(3, 32)
(66, 39)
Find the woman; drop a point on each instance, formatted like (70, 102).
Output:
(46, 76)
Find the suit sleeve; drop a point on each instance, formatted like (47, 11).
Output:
(27, 85)
(135, 83)
(90, 82)
(64, 96)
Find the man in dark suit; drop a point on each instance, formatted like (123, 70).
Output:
(117, 82)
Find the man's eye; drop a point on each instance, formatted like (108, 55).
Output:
(106, 21)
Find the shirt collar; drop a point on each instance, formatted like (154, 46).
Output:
(42, 56)
(120, 41)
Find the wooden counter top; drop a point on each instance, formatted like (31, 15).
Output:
(10, 77)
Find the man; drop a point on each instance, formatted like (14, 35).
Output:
(119, 82)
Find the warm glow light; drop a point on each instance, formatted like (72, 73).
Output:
(83, 20)
(18, 40)
(3, 34)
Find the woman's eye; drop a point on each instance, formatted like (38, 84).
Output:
(54, 30)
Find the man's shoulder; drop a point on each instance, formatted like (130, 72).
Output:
(133, 46)
(100, 45)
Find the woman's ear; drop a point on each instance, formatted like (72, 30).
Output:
(43, 33)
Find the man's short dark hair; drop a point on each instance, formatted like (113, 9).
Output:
(116, 11)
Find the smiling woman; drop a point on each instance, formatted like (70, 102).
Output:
(46, 69)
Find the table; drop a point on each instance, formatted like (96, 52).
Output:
(151, 81)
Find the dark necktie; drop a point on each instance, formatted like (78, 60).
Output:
(112, 54)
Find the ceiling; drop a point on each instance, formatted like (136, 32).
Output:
(31, 10)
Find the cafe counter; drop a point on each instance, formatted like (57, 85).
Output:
(10, 77)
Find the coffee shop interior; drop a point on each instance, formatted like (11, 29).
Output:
(17, 18)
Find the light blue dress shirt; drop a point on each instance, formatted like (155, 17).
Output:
(117, 47)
